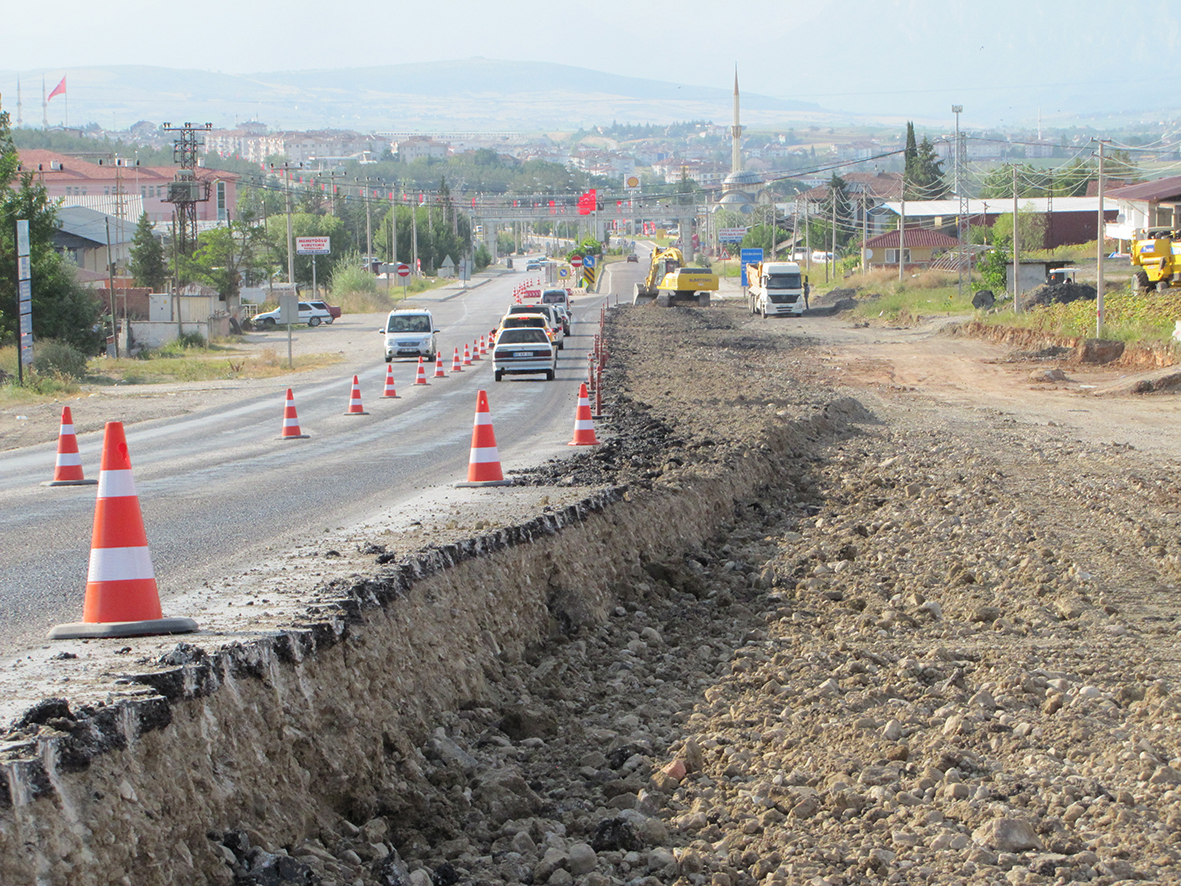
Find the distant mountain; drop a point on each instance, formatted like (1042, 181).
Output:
(474, 94)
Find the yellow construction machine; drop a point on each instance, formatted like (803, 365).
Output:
(1156, 253)
(668, 281)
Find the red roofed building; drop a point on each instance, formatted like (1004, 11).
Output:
(72, 178)
(920, 248)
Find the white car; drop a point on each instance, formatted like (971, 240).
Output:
(522, 350)
(308, 313)
(557, 327)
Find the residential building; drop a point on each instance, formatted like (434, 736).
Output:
(70, 178)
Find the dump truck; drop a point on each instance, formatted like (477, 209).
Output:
(1156, 254)
(775, 287)
(669, 282)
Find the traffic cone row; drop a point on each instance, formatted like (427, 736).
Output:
(122, 598)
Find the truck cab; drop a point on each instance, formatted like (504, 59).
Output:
(776, 287)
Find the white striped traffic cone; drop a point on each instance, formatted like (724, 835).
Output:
(467, 356)
(455, 364)
(420, 379)
(439, 373)
(390, 390)
(291, 420)
(67, 471)
(122, 599)
(483, 467)
(584, 425)
(355, 407)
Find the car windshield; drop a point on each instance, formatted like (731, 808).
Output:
(520, 320)
(409, 324)
(527, 335)
(783, 281)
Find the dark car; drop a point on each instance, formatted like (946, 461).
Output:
(631, 256)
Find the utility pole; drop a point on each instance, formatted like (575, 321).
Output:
(1016, 249)
(864, 226)
(902, 231)
(111, 283)
(961, 222)
(834, 239)
(1099, 252)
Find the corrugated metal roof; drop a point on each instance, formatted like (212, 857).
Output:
(915, 237)
(108, 204)
(998, 206)
(1150, 192)
(91, 225)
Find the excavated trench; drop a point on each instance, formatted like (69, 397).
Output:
(291, 736)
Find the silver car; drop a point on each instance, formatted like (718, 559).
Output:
(410, 334)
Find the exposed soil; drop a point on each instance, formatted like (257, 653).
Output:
(939, 649)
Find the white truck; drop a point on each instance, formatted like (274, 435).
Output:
(776, 287)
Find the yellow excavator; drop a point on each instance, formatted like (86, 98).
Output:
(669, 282)
(1156, 253)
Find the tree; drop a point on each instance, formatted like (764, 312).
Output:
(923, 175)
(148, 266)
(62, 310)
(1031, 225)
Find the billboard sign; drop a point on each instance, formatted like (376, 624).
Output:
(313, 245)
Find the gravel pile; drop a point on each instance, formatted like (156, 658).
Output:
(940, 648)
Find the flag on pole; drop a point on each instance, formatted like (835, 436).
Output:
(60, 89)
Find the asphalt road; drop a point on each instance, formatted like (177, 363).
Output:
(218, 487)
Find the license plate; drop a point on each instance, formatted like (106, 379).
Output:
(522, 353)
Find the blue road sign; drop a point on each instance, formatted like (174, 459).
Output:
(750, 255)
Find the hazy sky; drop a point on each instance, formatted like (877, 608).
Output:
(1005, 59)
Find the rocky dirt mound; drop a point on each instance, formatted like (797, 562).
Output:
(1057, 293)
(939, 648)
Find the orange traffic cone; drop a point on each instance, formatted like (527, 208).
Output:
(291, 420)
(584, 425)
(478, 349)
(122, 599)
(420, 379)
(483, 467)
(68, 469)
(390, 390)
(355, 407)
(455, 364)
(467, 356)
(439, 373)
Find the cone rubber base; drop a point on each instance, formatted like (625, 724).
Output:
(584, 443)
(294, 437)
(354, 413)
(470, 483)
(70, 483)
(92, 630)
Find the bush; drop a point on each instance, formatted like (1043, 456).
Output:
(348, 275)
(59, 358)
(191, 340)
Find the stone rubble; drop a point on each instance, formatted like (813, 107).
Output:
(941, 649)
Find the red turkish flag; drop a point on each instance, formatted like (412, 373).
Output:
(60, 89)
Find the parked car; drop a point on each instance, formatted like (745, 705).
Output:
(334, 310)
(524, 350)
(550, 311)
(309, 313)
(410, 333)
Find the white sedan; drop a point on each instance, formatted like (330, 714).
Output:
(524, 350)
